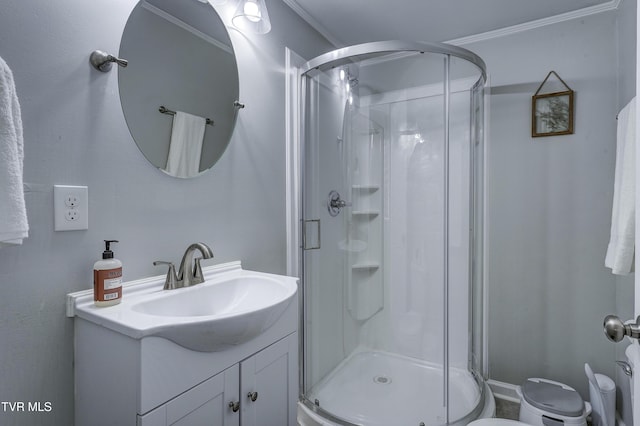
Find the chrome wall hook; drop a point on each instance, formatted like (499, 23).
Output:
(103, 61)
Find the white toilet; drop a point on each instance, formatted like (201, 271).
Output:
(545, 403)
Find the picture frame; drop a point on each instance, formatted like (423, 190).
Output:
(552, 113)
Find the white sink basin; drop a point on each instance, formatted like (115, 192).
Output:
(231, 307)
(219, 312)
(230, 298)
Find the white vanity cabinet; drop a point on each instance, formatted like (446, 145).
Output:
(261, 389)
(154, 382)
(131, 373)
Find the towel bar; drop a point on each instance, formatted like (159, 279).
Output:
(164, 110)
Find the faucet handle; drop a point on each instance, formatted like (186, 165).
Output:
(172, 280)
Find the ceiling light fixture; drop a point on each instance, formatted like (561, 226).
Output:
(252, 16)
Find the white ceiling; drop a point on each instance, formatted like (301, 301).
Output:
(347, 22)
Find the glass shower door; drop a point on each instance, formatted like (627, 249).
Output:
(373, 267)
(344, 255)
(325, 344)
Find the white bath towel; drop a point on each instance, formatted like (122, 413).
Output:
(185, 150)
(14, 226)
(620, 252)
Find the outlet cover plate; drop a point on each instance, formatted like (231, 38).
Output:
(70, 207)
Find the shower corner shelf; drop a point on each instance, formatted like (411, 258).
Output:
(365, 266)
(365, 188)
(365, 213)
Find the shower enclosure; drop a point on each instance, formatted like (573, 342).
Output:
(391, 150)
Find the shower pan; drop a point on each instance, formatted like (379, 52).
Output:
(390, 208)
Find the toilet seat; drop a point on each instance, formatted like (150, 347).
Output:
(497, 422)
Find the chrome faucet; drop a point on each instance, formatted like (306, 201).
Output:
(188, 275)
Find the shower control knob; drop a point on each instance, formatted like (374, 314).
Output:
(335, 203)
(615, 329)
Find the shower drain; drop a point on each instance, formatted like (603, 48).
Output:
(382, 380)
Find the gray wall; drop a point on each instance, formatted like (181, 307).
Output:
(549, 205)
(75, 134)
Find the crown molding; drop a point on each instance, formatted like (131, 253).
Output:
(514, 29)
(172, 19)
(538, 23)
(314, 23)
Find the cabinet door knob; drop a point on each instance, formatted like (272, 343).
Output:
(252, 396)
(235, 406)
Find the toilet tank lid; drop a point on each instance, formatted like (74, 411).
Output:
(553, 397)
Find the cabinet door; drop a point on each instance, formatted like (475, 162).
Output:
(205, 404)
(273, 374)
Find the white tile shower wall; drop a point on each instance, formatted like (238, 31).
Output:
(415, 231)
(75, 133)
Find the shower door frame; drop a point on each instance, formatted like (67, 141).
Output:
(295, 146)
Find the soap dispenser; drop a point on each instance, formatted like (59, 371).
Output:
(107, 278)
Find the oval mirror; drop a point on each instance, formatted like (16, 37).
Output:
(179, 91)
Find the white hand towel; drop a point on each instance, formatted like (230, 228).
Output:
(620, 252)
(14, 226)
(187, 135)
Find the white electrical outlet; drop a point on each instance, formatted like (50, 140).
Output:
(71, 200)
(70, 207)
(71, 215)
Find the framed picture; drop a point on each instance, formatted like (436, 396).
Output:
(552, 113)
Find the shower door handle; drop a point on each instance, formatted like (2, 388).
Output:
(311, 236)
(615, 329)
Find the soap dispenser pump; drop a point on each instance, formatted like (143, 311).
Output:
(107, 278)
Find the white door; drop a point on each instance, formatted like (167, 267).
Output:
(636, 393)
(269, 385)
(205, 404)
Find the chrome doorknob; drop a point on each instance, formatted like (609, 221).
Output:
(615, 329)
